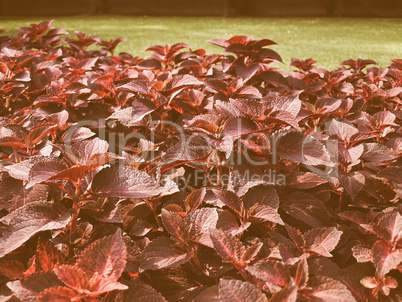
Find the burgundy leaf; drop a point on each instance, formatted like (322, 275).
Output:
(105, 257)
(184, 80)
(127, 182)
(15, 195)
(132, 115)
(305, 180)
(161, 253)
(353, 182)
(323, 240)
(42, 171)
(290, 104)
(280, 117)
(261, 195)
(383, 118)
(175, 225)
(302, 274)
(266, 213)
(288, 294)
(230, 199)
(252, 252)
(194, 200)
(246, 72)
(342, 130)
(77, 134)
(186, 149)
(87, 149)
(375, 152)
(228, 247)
(201, 221)
(235, 290)
(392, 223)
(270, 271)
(139, 292)
(297, 147)
(392, 173)
(211, 294)
(29, 220)
(296, 236)
(307, 208)
(238, 126)
(330, 290)
(326, 105)
(227, 222)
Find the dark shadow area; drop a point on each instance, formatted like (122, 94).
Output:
(225, 8)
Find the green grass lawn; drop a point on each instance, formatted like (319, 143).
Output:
(327, 40)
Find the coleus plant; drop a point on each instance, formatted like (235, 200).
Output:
(190, 176)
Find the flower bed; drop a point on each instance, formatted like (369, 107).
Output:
(193, 176)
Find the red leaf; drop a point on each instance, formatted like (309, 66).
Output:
(29, 289)
(297, 147)
(229, 247)
(323, 240)
(236, 290)
(305, 180)
(266, 213)
(29, 220)
(302, 274)
(42, 171)
(296, 236)
(127, 182)
(12, 269)
(15, 195)
(288, 294)
(57, 294)
(230, 199)
(201, 221)
(175, 225)
(375, 152)
(246, 72)
(385, 258)
(132, 115)
(270, 271)
(261, 195)
(161, 253)
(306, 208)
(392, 174)
(252, 252)
(237, 126)
(330, 290)
(392, 223)
(353, 182)
(342, 130)
(47, 256)
(105, 257)
(139, 292)
(362, 254)
(78, 280)
(194, 200)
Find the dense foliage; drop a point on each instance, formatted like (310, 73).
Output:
(189, 176)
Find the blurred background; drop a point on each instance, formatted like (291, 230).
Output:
(228, 8)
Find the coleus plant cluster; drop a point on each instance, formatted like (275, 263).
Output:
(190, 176)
